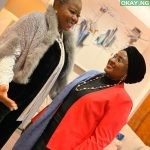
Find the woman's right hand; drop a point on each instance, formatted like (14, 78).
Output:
(5, 99)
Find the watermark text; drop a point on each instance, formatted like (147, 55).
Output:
(134, 2)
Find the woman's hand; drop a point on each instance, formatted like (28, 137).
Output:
(4, 98)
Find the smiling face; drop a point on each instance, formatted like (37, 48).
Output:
(117, 66)
(68, 13)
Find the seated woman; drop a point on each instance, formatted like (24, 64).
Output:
(90, 111)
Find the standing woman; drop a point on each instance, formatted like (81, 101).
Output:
(36, 54)
(91, 110)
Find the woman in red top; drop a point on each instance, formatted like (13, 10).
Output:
(93, 111)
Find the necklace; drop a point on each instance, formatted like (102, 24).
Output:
(92, 88)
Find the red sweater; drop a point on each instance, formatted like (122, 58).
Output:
(93, 121)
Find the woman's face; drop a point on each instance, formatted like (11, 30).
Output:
(117, 66)
(68, 14)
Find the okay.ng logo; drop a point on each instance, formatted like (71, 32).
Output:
(134, 2)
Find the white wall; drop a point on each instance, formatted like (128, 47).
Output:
(142, 13)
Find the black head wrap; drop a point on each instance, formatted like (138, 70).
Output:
(136, 65)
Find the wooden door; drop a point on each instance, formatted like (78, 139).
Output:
(140, 121)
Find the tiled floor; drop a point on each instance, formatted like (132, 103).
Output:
(12, 140)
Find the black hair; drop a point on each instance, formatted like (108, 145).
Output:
(60, 1)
